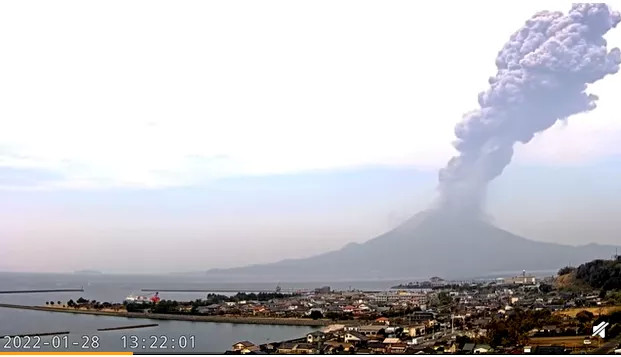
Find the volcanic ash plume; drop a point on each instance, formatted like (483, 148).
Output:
(543, 72)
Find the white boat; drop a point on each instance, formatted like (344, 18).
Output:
(136, 299)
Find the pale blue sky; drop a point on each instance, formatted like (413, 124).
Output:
(262, 219)
(223, 133)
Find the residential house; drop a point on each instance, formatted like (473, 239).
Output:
(377, 347)
(418, 340)
(416, 330)
(315, 337)
(286, 348)
(306, 349)
(391, 340)
(453, 349)
(209, 309)
(482, 349)
(468, 348)
(245, 347)
(382, 320)
(355, 337)
(370, 330)
(336, 346)
(259, 309)
(420, 316)
(549, 330)
(396, 348)
(348, 309)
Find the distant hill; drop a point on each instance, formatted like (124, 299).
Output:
(570, 282)
(430, 243)
(602, 274)
(599, 274)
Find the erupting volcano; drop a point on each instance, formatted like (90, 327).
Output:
(543, 73)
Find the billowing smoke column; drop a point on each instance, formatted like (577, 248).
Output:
(543, 72)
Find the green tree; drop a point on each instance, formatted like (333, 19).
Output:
(137, 307)
(545, 288)
(566, 270)
(584, 316)
(444, 298)
(315, 314)
(614, 296)
(601, 274)
(514, 330)
(334, 316)
(381, 332)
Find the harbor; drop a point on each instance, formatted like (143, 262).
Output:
(32, 313)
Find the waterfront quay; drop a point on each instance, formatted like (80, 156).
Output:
(521, 314)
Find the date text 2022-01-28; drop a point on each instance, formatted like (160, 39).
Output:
(88, 342)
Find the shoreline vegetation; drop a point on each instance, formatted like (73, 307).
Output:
(196, 318)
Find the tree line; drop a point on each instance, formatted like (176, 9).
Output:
(601, 274)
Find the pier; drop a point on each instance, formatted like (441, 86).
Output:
(126, 327)
(40, 291)
(39, 334)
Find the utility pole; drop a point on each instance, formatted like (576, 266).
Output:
(452, 324)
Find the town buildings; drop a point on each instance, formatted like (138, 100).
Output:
(452, 318)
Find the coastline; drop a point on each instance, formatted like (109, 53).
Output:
(195, 318)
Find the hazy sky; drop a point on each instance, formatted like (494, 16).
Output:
(164, 136)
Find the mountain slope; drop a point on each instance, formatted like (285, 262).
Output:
(430, 243)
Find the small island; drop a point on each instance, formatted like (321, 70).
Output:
(433, 282)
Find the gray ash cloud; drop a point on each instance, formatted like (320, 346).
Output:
(543, 73)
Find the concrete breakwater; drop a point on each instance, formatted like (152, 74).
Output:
(40, 291)
(197, 318)
(38, 334)
(126, 327)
